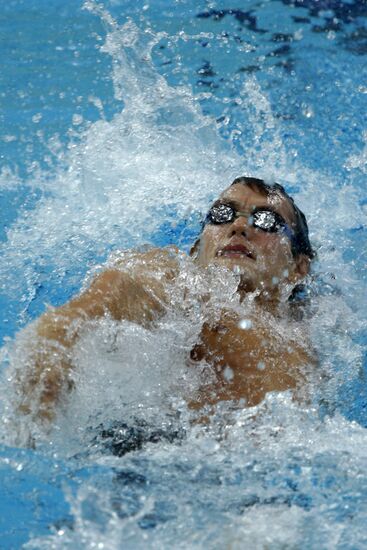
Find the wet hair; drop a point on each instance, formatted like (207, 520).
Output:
(300, 242)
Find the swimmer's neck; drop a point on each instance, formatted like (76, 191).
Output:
(273, 301)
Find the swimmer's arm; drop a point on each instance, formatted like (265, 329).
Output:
(139, 296)
(137, 291)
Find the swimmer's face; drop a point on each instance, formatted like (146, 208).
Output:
(263, 257)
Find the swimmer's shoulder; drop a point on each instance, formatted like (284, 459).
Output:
(157, 263)
(243, 332)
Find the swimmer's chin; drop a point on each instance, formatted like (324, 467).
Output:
(238, 263)
(248, 278)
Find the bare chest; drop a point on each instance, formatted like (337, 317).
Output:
(248, 362)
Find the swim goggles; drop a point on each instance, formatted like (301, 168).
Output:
(260, 218)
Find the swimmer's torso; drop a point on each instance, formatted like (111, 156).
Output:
(143, 288)
(248, 362)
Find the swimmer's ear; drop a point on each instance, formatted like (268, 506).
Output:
(301, 267)
(194, 251)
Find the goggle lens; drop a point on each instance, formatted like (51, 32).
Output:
(266, 220)
(221, 213)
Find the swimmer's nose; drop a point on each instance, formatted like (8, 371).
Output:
(240, 226)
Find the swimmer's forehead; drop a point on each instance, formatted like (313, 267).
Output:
(246, 199)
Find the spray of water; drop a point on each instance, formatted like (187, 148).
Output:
(161, 158)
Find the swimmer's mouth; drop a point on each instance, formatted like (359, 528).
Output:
(235, 251)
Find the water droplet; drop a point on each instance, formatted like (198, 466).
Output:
(307, 111)
(228, 374)
(77, 119)
(245, 324)
(36, 118)
(298, 35)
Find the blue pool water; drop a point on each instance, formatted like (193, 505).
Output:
(119, 124)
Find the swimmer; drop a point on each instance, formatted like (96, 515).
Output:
(254, 230)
